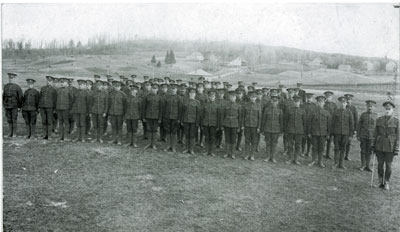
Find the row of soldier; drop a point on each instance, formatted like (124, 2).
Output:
(207, 110)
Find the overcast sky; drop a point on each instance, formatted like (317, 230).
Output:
(356, 29)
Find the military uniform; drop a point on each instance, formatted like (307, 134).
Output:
(30, 109)
(309, 108)
(71, 119)
(116, 111)
(80, 109)
(252, 124)
(47, 104)
(319, 127)
(365, 133)
(12, 100)
(143, 95)
(133, 114)
(163, 95)
(221, 102)
(202, 98)
(171, 115)
(271, 127)
(190, 118)
(98, 108)
(386, 145)
(354, 112)
(342, 129)
(330, 107)
(231, 121)
(88, 116)
(294, 127)
(152, 110)
(210, 120)
(286, 105)
(63, 106)
(239, 136)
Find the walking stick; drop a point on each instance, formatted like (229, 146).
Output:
(373, 169)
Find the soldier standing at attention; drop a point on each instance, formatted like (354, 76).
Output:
(202, 98)
(184, 97)
(73, 89)
(242, 103)
(163, 92)
(47, 104)
(221, 102)
(210, 120)
(107, 88)
(30, 108)
(12, 100)
(386, 143)
(98, 109)
(133, 114)
(319, 127)
(63, 107)
(171, 115)
(152, 109)
(272, 127)
(190, 118)
(365, 132)
(80, 110)
(353, 109)
(286, 105)
(330, 106)
(116, 111)
(232, 123)
(301, 92)
(295, 127)
(56, 84)
(342, 129)
(252, 123)
(89, 90)
(309, 106)
(146, 91)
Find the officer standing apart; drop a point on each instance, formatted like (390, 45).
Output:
(386, 143)
(12, 100)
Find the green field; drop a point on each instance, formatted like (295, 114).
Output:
(52, 186)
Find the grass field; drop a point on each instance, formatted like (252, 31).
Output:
(52, 186)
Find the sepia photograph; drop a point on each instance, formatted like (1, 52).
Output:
(195, 116)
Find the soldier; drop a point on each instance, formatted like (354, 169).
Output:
(353, 109)
(107, 88)
(89, 90)
(309, 106)
(202, 98)
(330, 106)
(152, 109)
(171, 115)
(242, 103)
(386, 143)
(272, 127)
(190, 119)
(252, 123)
(342, 129)
(133, 114)
(96, 78)
(56, 85)
(294, 122)
(184, 96)
(116, 111)
(98, 109)
(365, 132)
(12, 100)
(125, 85)
(319, 126)
(207, 87)
(163, 94)
(146, 91)
(210, 121)
(73, 89)
(47, 104)
(282, 95)
(286, 105)
(63, 107)
(232, 123)
(221, 102)
(134, 79)
(301, 92)
(80, 109)
(30, 108)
